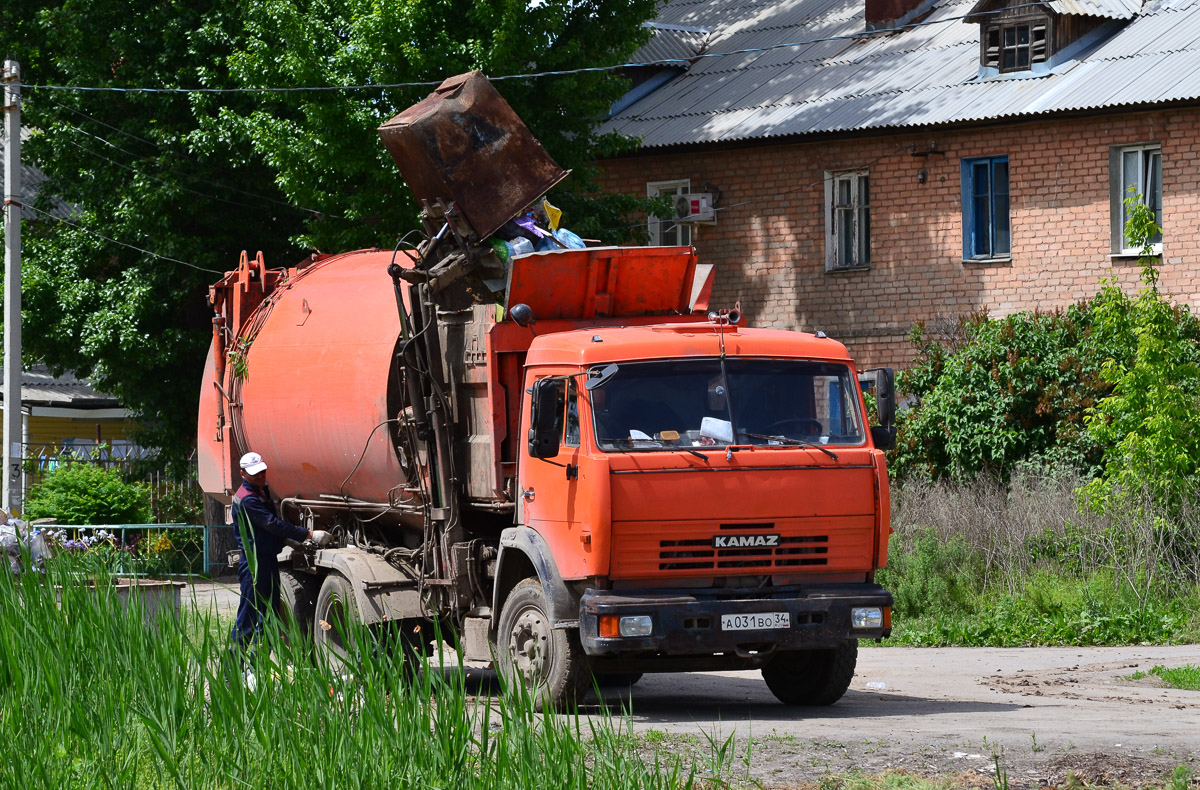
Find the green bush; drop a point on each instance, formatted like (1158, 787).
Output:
(1008, 391)
(80, 493)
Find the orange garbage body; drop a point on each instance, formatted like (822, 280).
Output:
(311, 393)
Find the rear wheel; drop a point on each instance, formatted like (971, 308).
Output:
(549, 662)
(298, 593)
(336, 622)
(812, 677)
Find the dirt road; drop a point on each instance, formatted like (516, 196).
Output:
(935, 711)
(1046, 711)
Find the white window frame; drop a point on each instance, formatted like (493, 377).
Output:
(857, 212)
(1148, 154)
(658, 228)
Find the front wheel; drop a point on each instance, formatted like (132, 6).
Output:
(812, 677)
(549, 662)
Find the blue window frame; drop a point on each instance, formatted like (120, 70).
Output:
(986, 232)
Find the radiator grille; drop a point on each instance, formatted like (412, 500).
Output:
(699, 554)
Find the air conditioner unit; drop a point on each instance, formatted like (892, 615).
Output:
(696, 208)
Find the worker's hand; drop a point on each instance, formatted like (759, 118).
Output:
(310, 534)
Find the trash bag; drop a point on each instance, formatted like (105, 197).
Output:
(568, 238)
(519, 246)
(39, 551)
(563, 238)
(10, 552)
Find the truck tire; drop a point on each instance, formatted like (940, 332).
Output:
(298, 600)
(336, 623)
(812, 677)
(549, 662)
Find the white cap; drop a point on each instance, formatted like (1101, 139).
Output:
(252, 464)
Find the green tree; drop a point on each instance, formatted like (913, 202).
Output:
(198, 177)
(1150, 424)
(324, 146)
(126, 165)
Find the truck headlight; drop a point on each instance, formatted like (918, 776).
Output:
(637, 625)
(866, 617)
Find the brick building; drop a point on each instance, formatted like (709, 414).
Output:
(866, 180)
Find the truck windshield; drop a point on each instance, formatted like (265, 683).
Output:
(659, 405)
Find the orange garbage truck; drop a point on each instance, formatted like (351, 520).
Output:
(561, 459)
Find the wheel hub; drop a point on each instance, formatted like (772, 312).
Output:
(528, 643)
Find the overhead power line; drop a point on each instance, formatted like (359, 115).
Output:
(189, 176)
(90, 232)
(856, 36)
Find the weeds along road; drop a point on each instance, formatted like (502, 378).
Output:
(1046, 711)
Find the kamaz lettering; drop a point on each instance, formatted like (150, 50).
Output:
(744, 541)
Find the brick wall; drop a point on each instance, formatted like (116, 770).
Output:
(769, 243)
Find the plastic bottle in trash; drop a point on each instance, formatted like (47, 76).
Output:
(519, 246)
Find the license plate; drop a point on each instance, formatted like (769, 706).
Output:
(755, 622)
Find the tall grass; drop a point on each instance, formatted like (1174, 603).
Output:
(1030, 562)
(93, 696)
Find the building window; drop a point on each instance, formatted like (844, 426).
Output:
(1135, 170)
(1016, 46)
(986, 231)
(847, 221)
(664, 232)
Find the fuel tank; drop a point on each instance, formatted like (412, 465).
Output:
(311, 384)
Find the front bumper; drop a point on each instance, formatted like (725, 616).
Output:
(689, 623)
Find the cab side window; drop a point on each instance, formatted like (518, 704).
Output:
(571, 435)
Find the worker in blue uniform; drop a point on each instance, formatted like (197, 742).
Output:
(260, 535)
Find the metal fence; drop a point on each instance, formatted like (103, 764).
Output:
(171, 498)
(162, 549)
(143, 549)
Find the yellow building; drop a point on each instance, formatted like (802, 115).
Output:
(65, 415)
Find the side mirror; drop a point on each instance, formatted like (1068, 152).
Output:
(883, 382)
(545, 429)
(885, 396)
(598, 378)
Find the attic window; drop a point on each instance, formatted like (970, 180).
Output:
(1016, 45)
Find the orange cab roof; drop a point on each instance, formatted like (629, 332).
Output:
(585, 347)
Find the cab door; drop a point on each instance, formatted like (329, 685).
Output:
(553, 497)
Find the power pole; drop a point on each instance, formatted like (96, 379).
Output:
(12, 288)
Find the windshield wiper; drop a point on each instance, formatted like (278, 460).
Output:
(790, 440)
(696, 453)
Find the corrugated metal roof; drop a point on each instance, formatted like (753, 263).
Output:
(31, 180)
(1113, 9)
(30, 177)
(814, 70)
(40, 388)
(672, 44)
